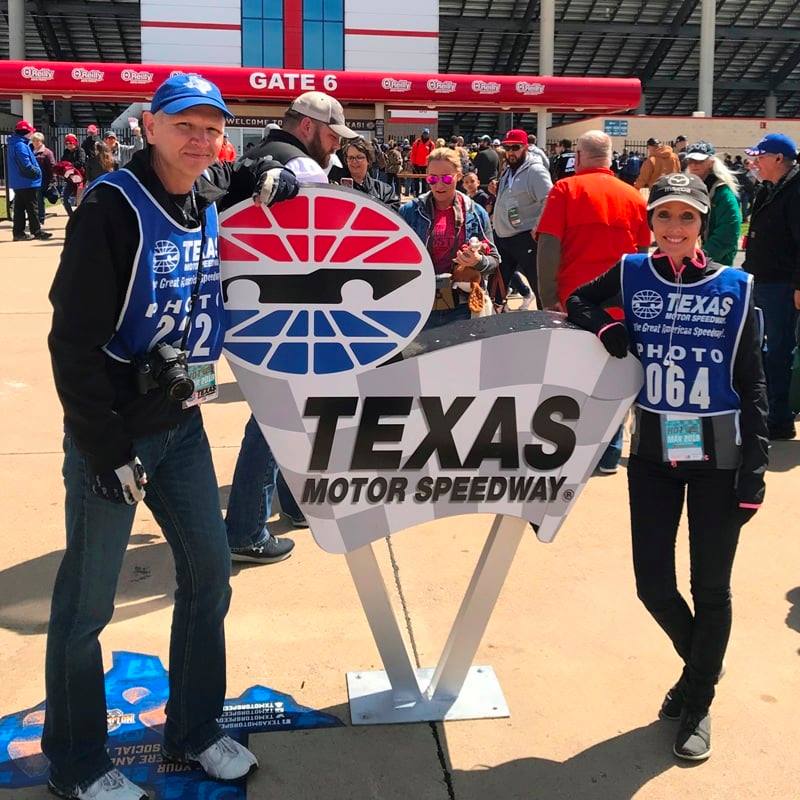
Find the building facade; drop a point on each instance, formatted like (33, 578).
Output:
(358, 35)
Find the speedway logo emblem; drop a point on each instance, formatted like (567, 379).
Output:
(328, 282)
(647, 304)
(166, 257)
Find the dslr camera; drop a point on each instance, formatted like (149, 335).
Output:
(165, 368)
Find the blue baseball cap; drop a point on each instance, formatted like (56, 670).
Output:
(184, 91)
(775, 144)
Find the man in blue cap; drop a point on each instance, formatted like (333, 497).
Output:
(772, 255)
(138, 323)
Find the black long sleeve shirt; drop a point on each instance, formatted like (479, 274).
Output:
(103, 410)
(584, 308)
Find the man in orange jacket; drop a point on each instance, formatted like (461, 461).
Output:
(661, 160)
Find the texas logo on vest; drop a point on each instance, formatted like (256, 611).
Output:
(378, 427)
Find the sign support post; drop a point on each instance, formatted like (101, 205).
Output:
(454, 689)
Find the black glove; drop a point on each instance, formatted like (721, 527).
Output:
(124, 484)
(277, 184)
(615, 339)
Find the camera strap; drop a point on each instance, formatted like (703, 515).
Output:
(203, 375)
(199, 278)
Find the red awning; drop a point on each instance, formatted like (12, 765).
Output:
(54, 79)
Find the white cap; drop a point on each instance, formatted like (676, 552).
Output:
(323, 108)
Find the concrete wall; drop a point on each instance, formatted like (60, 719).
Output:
(192, 32)
(403, 37)
(727, 134)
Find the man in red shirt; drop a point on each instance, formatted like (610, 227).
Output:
(227, 152)
(420, 150)
(590, 220)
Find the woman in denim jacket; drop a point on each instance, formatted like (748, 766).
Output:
(457, 234)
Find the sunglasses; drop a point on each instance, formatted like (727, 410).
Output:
(445, 179)
(513, 148)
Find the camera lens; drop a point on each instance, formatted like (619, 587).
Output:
(179, 386)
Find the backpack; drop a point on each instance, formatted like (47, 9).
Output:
(632, 167)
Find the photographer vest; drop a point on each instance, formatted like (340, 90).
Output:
(157, 305)
(686, 336)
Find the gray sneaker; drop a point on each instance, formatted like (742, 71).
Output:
(225, 760)
(111, 786)
(270, 551)
(693, 741)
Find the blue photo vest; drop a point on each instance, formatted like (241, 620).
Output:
(686, 336)
(157, 302)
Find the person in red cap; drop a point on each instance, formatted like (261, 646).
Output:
(25, 178)
(521, 192)
(72, 166)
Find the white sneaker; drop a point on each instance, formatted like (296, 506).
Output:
(527, 302)
(226, 760)
(111, 786)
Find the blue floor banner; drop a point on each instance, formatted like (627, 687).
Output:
(136, 695)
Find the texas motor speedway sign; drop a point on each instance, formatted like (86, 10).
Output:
(378, 427)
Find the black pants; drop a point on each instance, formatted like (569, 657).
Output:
(656, 493)
(25, 202)
(518, 254)
(393, 179)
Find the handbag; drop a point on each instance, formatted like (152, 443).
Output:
(51, 194)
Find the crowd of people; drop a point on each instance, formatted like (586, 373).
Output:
(48, 180)
(570, 231)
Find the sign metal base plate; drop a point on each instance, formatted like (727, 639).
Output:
(372, 701)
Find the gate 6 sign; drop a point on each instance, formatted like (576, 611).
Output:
(506, 414)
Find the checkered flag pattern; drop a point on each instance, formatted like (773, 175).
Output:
(529, 362)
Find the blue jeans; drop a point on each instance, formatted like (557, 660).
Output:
(182, 495)
(613, 452)
(776, 300)
(254, 480)
(68, 198)
(40, 204)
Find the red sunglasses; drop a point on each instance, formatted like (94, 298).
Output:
(445, 179)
